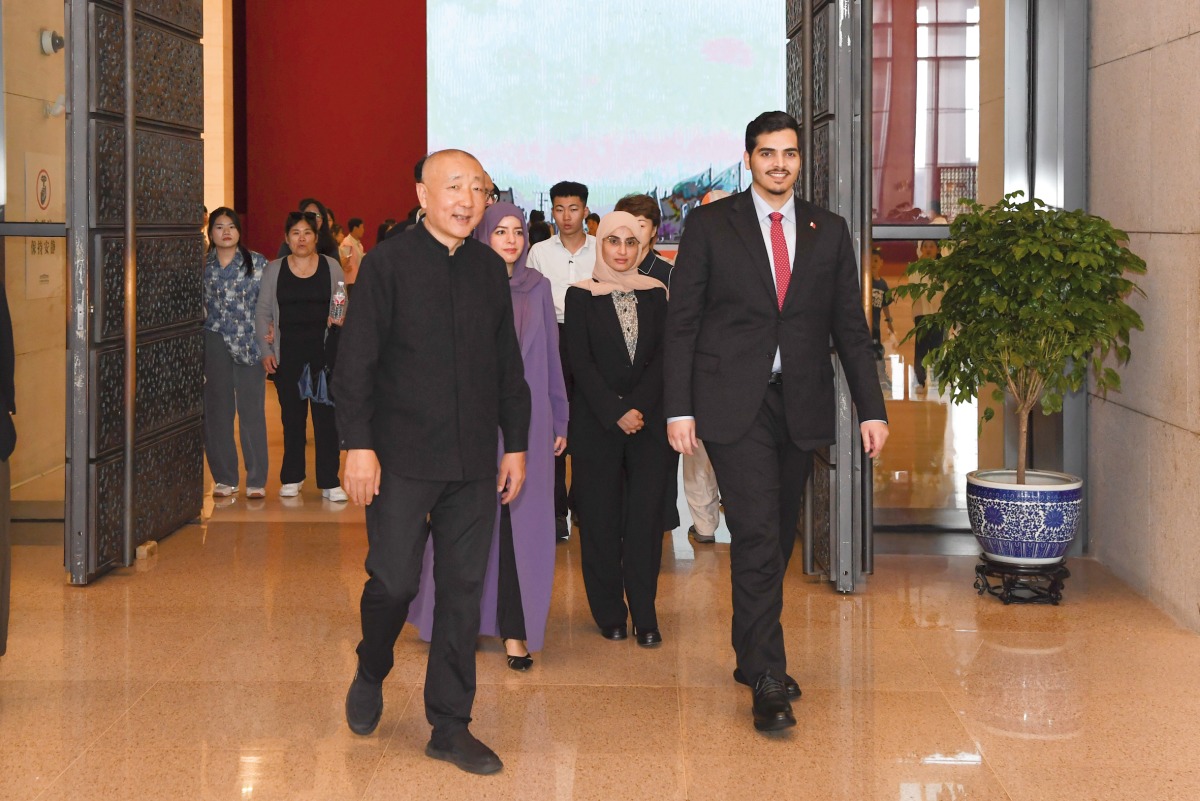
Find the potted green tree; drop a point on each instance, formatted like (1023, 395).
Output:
(1032, 300)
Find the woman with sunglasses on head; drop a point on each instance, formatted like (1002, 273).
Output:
(326, 244)
(233, 379)
(520, 572)
(614, 325)
(294, 304)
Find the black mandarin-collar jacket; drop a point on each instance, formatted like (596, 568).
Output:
(429, 366)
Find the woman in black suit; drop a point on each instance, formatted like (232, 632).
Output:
(619, 451)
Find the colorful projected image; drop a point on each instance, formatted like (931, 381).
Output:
(654, 99)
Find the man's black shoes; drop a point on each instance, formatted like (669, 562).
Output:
(772, 710)
(789, 684)
(462, 749)
(364, 704)
(701, 538)
(614, 632)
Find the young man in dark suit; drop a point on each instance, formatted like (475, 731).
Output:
(762, 282)
(431, 369)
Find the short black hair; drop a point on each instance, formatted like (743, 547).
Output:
(569, 189)
(593, 217)
(353, 223)
(539, 231)
(770, 122)
(295, 217)
(419, 168)
(537, 215)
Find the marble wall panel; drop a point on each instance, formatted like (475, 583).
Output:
(1144, 442)
(1119, 135)
(1174, 142)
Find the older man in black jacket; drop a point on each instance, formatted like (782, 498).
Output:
(429, 370)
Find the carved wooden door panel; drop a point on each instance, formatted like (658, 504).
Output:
(168, 178)
(828, 43)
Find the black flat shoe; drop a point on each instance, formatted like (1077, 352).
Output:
(521, 663)
(364, 705)
(789, 684)
(463, 750)
(772, 710)
(614, 632)
(649, 638)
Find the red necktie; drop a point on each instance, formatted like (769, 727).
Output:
(779, 254)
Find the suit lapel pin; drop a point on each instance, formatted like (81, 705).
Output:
(812, 225)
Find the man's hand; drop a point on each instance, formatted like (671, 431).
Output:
(682, 436)
(270, 364)
(874, 434)
(560, 446)
(361, 476)
(511, 477)
(631, 422)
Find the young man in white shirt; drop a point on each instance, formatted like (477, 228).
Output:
(565, 258)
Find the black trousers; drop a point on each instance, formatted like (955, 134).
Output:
(510, 614)
(563, 499)
(924, 344)
(618, 490)
(762, 478)
(462, 515)
(671, 493)
(293, 411)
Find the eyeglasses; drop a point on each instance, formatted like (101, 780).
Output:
(492, 196)
(616, 241)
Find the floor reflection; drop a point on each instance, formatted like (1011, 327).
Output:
(217, 670)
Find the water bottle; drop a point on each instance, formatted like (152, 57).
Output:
(337, 305)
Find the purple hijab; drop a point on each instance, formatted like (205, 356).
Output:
(533, 510)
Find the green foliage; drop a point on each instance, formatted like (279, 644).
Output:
(1031, 297)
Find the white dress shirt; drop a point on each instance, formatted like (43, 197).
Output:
(764, 211)
(552, 259)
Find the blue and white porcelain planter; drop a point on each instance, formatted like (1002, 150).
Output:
(1024, 524)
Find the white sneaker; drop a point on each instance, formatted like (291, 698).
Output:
(256, 492)
(290, 490)
(224, 490)
(337, 495)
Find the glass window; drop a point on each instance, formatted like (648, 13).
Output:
(925, 108)
(33, 132)
(33, 189)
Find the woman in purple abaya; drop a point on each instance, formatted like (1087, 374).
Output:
(516, 589)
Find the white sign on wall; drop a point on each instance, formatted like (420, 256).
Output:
(45, 201)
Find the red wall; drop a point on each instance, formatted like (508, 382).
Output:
(334, 108)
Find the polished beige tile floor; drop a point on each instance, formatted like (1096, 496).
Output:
(217, 670)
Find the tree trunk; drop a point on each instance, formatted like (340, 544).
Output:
(1022, 443)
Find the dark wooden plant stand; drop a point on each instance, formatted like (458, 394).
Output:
(1022, 584)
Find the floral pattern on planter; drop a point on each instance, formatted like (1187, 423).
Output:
(1024, 523)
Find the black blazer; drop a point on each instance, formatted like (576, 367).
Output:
(607, 384)
(429, 366)
(724, 325)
